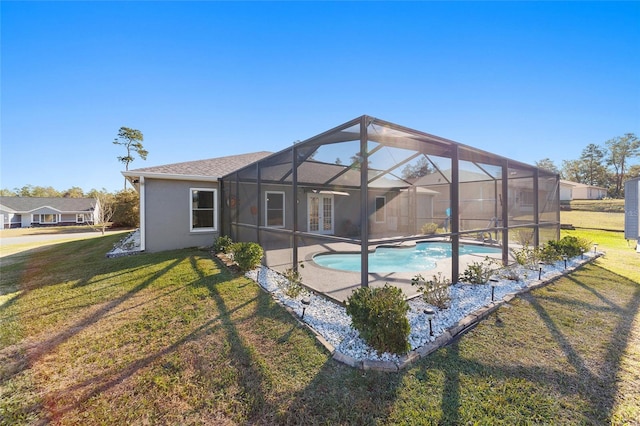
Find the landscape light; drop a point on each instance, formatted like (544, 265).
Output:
(540, 272)
(430, 314)
(581, 253)
(595, 248)
(493, 287)
(305, 302)
(564, 257)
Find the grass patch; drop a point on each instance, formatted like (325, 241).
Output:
(174, 338)
(593, 220)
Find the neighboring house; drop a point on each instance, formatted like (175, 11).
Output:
(179, 203)
(23, 212)
(580, 191)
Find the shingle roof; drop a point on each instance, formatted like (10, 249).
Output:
(212, 167)
(27, 204)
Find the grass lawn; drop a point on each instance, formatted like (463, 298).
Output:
(593, 220)
(173, 338)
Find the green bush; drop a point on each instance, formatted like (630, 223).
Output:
(478, 272)
(570, 246)
(435, 292)
(247, 255)
(223, 244)
(380, 315)
(429, 228)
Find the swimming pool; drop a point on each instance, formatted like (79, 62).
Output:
(421, 257)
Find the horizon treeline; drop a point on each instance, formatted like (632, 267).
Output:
(51, 192)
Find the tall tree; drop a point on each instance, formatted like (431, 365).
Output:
(633, 172)
(621, 150)
(131, 139)
(547, 164)
(418, 169)
(572, 170)
(74, 192)
(592, 158)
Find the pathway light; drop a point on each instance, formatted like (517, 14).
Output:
(306, 301)
(430, 313)
(493, 287)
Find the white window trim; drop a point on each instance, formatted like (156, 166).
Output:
(39, 218)
(266, 212)
(215, 210)
(384, 209)
(81, 216)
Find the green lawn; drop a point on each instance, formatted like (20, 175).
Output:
(173, 338)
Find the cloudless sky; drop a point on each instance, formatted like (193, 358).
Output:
(524, 80)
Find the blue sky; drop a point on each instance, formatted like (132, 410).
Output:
(525, 80)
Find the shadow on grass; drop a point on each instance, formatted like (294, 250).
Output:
(332, 393)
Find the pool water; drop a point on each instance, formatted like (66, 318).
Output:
(421, 257)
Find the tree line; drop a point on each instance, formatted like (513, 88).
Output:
(607, 166)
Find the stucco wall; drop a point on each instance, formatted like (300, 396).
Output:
(168, 212)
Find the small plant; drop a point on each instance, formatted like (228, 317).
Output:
(429, 228)
(478, 272)
(380, 316)
(550, 252)
(223, 244)
(527, 257)
(247, 255)
(293, 288)
(435, 291)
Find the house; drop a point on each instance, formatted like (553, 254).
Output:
(179, 203)
(580, 191)
(24, 212)
(363, 184)
(632, 211)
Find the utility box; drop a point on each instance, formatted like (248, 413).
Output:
(631, 208)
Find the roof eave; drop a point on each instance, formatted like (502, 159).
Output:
(169, 176)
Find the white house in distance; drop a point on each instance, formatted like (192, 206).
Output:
(580, 191)
(632, 211)
(24, 212)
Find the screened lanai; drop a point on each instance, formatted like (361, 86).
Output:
(370, 183)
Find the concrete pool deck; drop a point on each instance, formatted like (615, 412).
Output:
(338, 285)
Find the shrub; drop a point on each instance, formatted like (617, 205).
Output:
(478, 272)
(571, 246)
(550, 252)
(527, 256)
(223, 244)
(435, 292)
(380, 315)
(247, 255)
(293, 287)
(429, 228)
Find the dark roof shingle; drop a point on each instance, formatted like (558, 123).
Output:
(212, 167)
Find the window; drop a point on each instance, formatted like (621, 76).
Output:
(45, 218)
(80, 218)
(381, 213)
(274, 206)
(203, 209)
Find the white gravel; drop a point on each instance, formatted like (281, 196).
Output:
(330, 320)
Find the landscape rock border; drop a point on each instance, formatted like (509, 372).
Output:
(449, 334)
